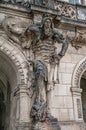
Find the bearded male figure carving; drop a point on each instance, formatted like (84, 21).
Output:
(45, 61)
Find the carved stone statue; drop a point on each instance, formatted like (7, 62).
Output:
(15, 29)
(41, 40)
(45, 61)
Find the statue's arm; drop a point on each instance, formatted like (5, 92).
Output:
(64, 48)
(60, 39)
(36, 31)
(30, 36)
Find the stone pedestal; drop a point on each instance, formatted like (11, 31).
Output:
(49, 124)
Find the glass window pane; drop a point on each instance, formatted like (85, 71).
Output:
(74, 1)
(65, 0)
(77, 1)
(71, 1)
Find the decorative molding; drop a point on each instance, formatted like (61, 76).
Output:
(17, 58)
(79, 70)
(21, 3)
(15, 29)
(65, 9)
(76, 91)
(77, 39)
(27, 4)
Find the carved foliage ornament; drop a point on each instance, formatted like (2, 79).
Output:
(77, 38)
(65, 9)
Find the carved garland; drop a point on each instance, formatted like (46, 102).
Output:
(14, 56)
(65, 9)
(79, 70)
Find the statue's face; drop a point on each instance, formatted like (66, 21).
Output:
(47, 23)
(47, 26)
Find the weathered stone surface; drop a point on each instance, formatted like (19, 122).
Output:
(17, 69)
(49, 124)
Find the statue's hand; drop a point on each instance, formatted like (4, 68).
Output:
(55, 58)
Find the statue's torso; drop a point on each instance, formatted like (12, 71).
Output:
(43, 50)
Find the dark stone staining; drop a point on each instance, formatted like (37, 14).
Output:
(44, 3)
(50, 123)
(39, 108)
(27, 3)
(24, 3)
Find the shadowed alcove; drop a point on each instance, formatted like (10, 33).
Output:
(83, 94)
(4, 106)
(8, 82)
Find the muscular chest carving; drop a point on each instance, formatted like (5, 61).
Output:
(43, 50)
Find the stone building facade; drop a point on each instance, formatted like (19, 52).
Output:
(65, 97)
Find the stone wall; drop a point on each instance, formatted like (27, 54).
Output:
(64, 99)
(64, 102)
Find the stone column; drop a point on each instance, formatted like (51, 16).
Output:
(22, 109)
(77, 103)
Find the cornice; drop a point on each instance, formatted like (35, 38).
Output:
(15, 10)
(18, 10)
(66, 18)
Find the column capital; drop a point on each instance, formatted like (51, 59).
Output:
(76, 91)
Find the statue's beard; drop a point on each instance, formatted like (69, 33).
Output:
(47, 31)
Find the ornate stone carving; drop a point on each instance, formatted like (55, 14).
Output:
(14, 56)
(65, 9)
(40, 39)
(79, 70)
(44, 37)
(77, 38)
(15, 29)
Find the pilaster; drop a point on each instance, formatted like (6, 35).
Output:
(77, 103)
(22, 108)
